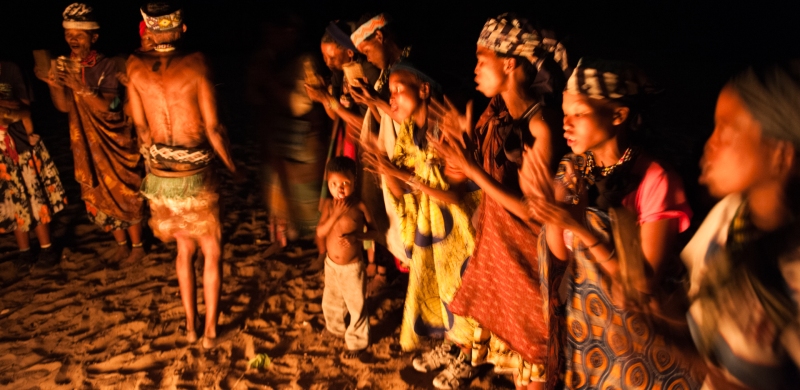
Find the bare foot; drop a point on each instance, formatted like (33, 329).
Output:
(209, 342)
(210, 337)
(136, 254)
(191, 334)
(121, 254)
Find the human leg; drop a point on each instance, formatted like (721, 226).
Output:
(23, 239)
(353, 278)
(122, 251)
(186, 282)
(333, 305)
(212, 283)
(47, 255)
(137, 248)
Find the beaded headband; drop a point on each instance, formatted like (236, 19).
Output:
(79, 16)
(366, 30)
(163, 22)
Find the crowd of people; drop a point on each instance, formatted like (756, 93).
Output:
(541, 238)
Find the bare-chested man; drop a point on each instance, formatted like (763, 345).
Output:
(174, 109)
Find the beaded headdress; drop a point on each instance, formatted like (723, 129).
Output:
(79, 16)
(161, 17)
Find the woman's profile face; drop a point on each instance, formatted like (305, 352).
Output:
(736, 156)
(489, 75)
(588, 123)
(405, 94)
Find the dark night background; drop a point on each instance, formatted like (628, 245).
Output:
(689, 48)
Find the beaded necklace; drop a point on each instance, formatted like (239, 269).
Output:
(589, 169)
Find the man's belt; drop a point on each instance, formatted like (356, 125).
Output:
(176, 154)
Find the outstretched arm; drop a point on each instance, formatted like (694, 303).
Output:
(215, 132)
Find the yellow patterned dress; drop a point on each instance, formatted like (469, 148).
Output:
(438, 238)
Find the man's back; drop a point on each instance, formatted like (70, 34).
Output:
(176, 95)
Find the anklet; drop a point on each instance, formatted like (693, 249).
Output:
(139, 245)
(45, 246)
(121, 243)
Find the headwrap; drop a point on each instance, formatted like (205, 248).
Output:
(366, 30)
(772, 95)
(405, 65)
(341, 37)
(507, 34)
(161, 16)
(79, 16)
(602, 79)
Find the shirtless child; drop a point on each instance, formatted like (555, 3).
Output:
(342, 226)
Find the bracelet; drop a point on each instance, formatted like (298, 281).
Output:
(610, 256)
(85, 91)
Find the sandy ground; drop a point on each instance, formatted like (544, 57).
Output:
(87, 324)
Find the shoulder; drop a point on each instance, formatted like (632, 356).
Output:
(654, 173)
(538, 126)
(105, 63)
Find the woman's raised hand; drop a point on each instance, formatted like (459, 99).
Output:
(458, 156)
(453, 124)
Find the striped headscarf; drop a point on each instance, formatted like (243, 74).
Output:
(507, 34)
(366, 30)
(604, 79)
(772, 94)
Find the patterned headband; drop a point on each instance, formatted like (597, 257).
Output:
(166, 22)
(79, 16)
(366, 30)
(340, 36)
(510, 35)
(601, 79)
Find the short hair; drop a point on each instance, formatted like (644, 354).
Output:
(346, 28)
(342, 164)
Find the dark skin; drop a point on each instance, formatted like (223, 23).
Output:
(173, 102)
(64, 85)
(342, 222)
(380, 52)
(335, 57)
(410, 99)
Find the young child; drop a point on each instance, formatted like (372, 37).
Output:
(342, 227)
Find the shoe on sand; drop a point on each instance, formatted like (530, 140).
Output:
(435, 358)
(457, 373)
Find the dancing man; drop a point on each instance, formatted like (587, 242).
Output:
(173, 105)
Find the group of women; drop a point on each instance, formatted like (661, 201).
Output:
(567, 272)
(557, 266)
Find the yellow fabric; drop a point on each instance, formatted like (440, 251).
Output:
(437, 251)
